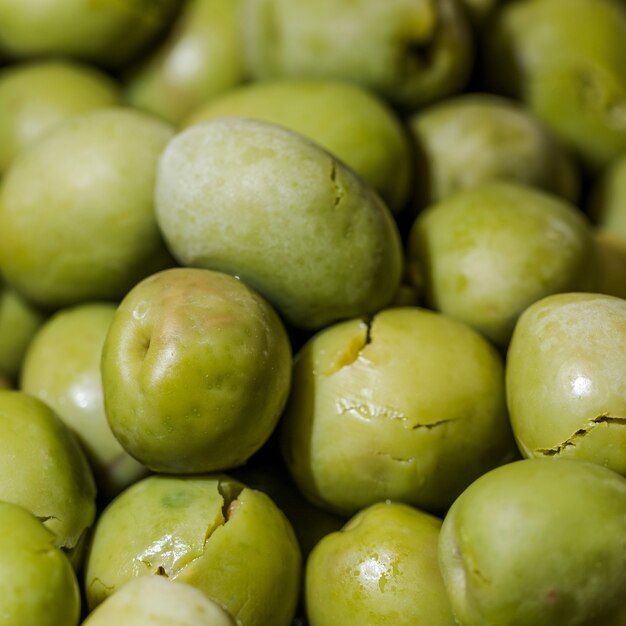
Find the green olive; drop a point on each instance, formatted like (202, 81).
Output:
(210, 532)
(409, 406)
(538, 543)
(566, 389)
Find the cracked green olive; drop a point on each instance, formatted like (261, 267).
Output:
(36, 96)
(62, 368)
(37, 581)
(106, 32)
(77, 209)
(474, 138)
(565, 59)
(487, 253)
(210, 532)
(200, 59)
(44, 470)
(408, 407)
(352, 124)
(381, 569)
(565, 379)
(409, 51)
(156, 601)
(261, 202)
(538, 543)
(196, 370)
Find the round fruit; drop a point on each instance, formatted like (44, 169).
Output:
(380, 569)
(196, 370)
(566, 379)
(538, 543)
(267, 205)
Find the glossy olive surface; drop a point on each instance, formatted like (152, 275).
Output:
(566, 379)
(348, 121)
(409, 406)
(100, 31)
(382, 568)
(210, 532)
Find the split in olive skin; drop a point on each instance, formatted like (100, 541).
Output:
(408, 406)
(210, 532)
(566, 389)
(56, 484)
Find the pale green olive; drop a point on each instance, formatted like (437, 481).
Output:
(409, 51)
(43, 469)
(105, 32)
(409, 406)
(565, 59)
(62, 368)
(265, 204)
(200, 59)
(35, 97)
(488, 252)
(352, 124)
(381, 569)
(210, 532)
(566, 388)
(77, 211)
(538, 543)
(475, 138)
(196, 370)
(156, 601)
(37, 581)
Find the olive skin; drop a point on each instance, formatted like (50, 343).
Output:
(538, 542)
(380, 569)
(564, 401)
(210, 532)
